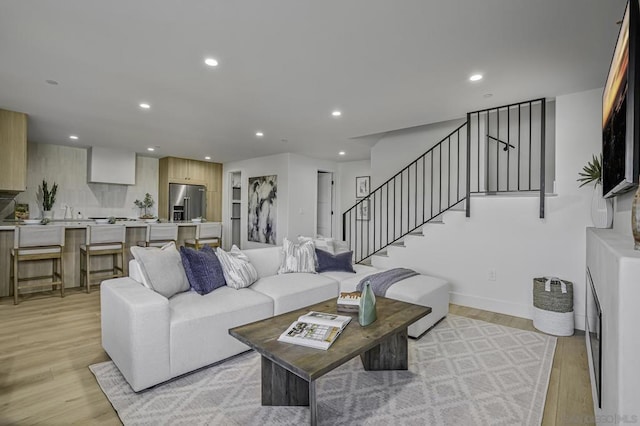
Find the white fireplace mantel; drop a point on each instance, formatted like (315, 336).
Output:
(615, 269)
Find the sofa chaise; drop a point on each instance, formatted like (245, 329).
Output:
(152, 338)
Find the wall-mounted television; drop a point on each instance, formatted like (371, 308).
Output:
(620, 105)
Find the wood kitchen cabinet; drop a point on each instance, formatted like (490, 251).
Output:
(13, 146)
(192, 172)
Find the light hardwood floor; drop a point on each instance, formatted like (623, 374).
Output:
(47, 343)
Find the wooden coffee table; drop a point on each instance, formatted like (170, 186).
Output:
(289, 372)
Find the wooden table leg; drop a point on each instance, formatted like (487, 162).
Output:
(391, 354)
(282, 387)
(313, 407)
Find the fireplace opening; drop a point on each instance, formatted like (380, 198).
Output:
(593, 330)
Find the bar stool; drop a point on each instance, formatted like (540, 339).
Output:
(35, 243)
(102, 240)
(206, 233)
(159, 234)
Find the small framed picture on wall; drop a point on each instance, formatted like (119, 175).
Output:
(362, 210)
(363, 186)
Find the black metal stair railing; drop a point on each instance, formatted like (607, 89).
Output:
(424, 189)
(466, 161)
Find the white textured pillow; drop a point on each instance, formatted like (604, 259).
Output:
(236, 267)
(320, 242)
(340, 246)
(297, 257)
(162, 268)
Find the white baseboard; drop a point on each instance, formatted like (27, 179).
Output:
(504, 307)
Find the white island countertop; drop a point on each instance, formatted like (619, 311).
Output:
(81, 224)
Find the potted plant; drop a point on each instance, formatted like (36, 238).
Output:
(48, 198)
(145, 204)
(601, 208)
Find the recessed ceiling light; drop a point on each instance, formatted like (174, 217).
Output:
(259, 134)
(211, 62)
(342, 153)
(336, 113)
(151, 149)
(74, 137)
(145, 105)
(52, 82)
(207, 158)
(487, 95)
(476, 77)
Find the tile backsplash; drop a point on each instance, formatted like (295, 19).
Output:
(67, 166)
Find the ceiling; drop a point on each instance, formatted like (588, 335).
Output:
(284, 66)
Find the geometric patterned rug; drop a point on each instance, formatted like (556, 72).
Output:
(462, 372)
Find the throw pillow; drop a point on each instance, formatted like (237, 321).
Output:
(162, 268)
(202, 268)
(334, 262)
(297, 257)
(340, 246)
(238, 271)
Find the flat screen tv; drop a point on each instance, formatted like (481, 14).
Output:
(620, 105)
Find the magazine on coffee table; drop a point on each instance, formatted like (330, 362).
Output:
(315, 329)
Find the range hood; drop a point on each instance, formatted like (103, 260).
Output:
(111, 166)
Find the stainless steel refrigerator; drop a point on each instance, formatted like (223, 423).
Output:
(187, 202)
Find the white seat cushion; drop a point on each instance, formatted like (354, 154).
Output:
(102, 247)
(420, 289)
(361, 271)
(426, 291)
(200, 325)
(44, 250)
(296, 290)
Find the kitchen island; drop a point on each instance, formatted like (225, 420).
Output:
(75, 234)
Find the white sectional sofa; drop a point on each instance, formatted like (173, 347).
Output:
(152, 339)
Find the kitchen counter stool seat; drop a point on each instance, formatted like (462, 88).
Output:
(37, 243)
(206, 234)
(103, 240)
(159, 234)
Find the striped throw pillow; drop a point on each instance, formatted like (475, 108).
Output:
(238, 271)
(297, 257)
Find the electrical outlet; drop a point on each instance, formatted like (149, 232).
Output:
(491, 276)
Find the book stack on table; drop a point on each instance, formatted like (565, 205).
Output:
(349, 302)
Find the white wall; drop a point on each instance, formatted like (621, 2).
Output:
(505, 234)
(67, 166)
(397, 149)
(348, 172)
(262, 166)
(297, 194)
(303, 194)
(622, 217)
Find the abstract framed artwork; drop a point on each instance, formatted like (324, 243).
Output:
(363, 186)
(263, 209)
(362, 209)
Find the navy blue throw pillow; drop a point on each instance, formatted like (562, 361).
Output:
(340, 262)
(203, 269)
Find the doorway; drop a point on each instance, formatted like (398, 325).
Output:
(324, 213)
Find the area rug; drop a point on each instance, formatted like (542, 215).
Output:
(462, 372)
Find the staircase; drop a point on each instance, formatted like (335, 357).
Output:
(496, 151)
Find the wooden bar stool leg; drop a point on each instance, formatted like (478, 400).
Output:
(82, 268)
(88, 267)
(14, 264)
(61, 275)
(54, 273)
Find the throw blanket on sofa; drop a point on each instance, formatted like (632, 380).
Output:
(381, 281)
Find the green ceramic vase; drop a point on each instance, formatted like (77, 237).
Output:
(367, 311)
